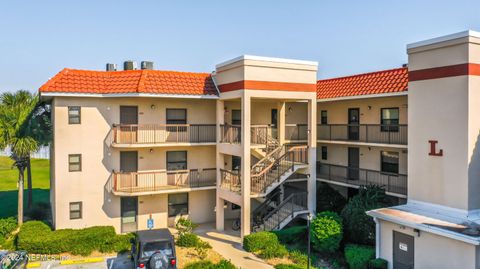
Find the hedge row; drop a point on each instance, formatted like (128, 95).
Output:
(7, 226)
(265, 244)
(37, 237)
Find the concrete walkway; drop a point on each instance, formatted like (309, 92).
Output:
(228, 244)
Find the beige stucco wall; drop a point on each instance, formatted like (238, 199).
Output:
(370, 157)
(338, 110)
(446, 110)
(90, 138)
(259, 70)
(431, 251)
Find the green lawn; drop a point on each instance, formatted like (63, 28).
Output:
(8, 184)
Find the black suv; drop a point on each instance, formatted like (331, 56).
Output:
(154, 249)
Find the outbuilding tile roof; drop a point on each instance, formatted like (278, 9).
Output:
(386, 81)
(132, 81)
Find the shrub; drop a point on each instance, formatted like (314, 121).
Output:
(184, 226)
(39, 211)
(292, 234)
(223, 264)
(357, 256)
(289, 266)
(37, 237)
(7, 226)
(188, 240)
(326, 232)
(275, 250)
(298, 257)
(258, 241)
(329, 199)
(201, 249)
(358, 226)
(377, 264)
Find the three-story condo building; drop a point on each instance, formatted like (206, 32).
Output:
(137, 149)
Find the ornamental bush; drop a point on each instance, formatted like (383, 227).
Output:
(359, 228)
(378, 264)
(326, 232)
(265, 244)
(329, 199)
(358, 256)
(223, 264)
(7, 226)
(289, 266)
(292, 234)
(37, 237)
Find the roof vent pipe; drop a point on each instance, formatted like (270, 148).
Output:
(111, 67)
(129, 65)
(146, 65)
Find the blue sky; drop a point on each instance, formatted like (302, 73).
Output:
(39, 38)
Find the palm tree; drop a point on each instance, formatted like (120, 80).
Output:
(16, 110)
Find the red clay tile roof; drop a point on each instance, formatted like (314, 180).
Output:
(133, 81)
(386, 81)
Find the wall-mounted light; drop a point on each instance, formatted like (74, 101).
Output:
(417, 231)
(290, 109)
(369, 107)
(153, 107)
(151, 150)
(369, 148)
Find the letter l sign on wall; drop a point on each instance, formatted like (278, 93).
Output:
(433, 148)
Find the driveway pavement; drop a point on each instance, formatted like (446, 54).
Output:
(120, 262)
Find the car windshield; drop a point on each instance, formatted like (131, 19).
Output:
(163, 246)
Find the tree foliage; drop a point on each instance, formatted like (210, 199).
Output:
(359, 227)
(327, 232)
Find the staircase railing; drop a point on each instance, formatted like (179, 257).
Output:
(265, 208)
(294, 203)
(268, 159)
(273, 172)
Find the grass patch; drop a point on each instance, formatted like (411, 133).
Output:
(8, 184)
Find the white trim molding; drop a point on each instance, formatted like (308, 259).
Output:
(266, 59)
(117, 95)
(443, 39)
(378, 95)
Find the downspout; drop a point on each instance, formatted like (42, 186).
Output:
(377, 238)
(215, 82)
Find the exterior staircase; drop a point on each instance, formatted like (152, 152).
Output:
(273, 214)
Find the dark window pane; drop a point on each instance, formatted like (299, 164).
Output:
(176, 160)
(176, 116)
(324, 117)
(74, 162)
(236, 117)
(74, 115)
(177, 204)
(76, 210)
(390, 119)
(389, 162)
(324, 153)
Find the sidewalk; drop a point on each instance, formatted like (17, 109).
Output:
(228, 244)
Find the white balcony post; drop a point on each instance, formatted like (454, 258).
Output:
(245, 167)
(219, 213)
(281, 122)
(312, 155)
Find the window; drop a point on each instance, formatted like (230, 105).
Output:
(177, 204)
(176, 116)
(389, 119)
(236, 163)
(389, 162)
(76, 210)
(324, 153)
(176, 160)
(236, 117)
(74, 115)
(74, 162)
(323, 117)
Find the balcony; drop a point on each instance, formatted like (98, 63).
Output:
(148, 182)
(364, 133)
(230, 180)
(259, 134)
(394, 184)
(163, 134)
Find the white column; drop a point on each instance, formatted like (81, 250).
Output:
(281, 122)
(219, 209)
(312, 155)
(245, 169)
